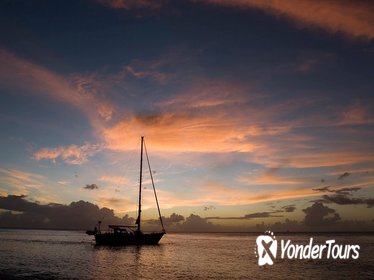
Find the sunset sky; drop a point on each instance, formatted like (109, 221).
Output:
(253, 111)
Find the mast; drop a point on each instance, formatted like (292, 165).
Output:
(140, 183)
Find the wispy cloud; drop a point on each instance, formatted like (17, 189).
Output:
(132, 4)
(20, 181)
(353, 18)
(72, 154)
(115, 180)
(357, 113)
(270, 177)
(190, 120)
(41, 80)
(220, 194)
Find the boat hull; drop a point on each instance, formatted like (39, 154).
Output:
(122, 239)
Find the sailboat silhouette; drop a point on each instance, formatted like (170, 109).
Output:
(131, 234)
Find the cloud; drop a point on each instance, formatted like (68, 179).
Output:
(219, 194)
(256, 215)
(175, 132)
(83, 215)
(261, 215)
(210, 207)
(42, 81)
(169, 222)
(343, 199)
(269, 177)
(343, 196)
(357, 113)
(72, 154)
(195, 223)
(119, 203)
(174, 218)
(344, 175)
(115, 180)
(77, 215)
(132, 4)
(323, 189)
(344, 190)
(63, 182)
(21, 181)
(307, 65)
(320, 215)
(353, 18)
(17, 203)
(189, 121)
(91, 187)
(289, 208)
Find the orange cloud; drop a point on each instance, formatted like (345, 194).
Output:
(71, 154)
(354, 18)
(120, 204)
(206, 117)
(269, 178)
(180, 132)
(23, 183)
(209, 116)
(116, 180)
(213, 193)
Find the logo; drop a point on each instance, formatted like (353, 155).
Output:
(266, 248)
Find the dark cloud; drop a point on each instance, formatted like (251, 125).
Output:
(168, 221)
(21, 204)
(210, 207)
(177, 223)
(91, 187)
(76, 215)
(320, 215)
(195, 223)
(174, 218)
(83, 215)
(343, 196)
(346, 191)
(126, 220)
(255, 215)
(262, 215)
(344, 199)
(289, 208)
(344, 175)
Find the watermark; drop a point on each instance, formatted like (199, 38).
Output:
(267, 247)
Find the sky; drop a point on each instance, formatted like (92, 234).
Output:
(254, 113)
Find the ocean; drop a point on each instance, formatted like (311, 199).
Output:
(44, 254)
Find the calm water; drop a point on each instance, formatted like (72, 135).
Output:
(40, 254)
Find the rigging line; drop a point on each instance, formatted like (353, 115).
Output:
(154, 189)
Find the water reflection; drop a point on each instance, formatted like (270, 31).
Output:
(47, 255)
(129, 261)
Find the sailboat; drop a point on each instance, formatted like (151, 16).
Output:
(131, 234)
